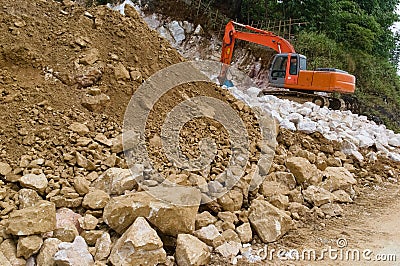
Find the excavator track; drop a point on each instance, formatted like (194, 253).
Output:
(345, 102)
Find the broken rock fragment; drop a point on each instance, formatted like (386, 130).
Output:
(47, 252)
(74, 254)
(139, 245)
(303, 170)
(29, 245)
(36, 182)
(269, 222)
(191, 251)
(38, 219)
(116, 180)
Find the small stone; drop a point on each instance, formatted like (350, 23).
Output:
(67, 225)
(231, 235)
(342, 196)
(8, 254)
(191, 251)
(88, 222)
(331, 209)
(271, 188)
(318, 196)
(79, 128)
(91, 236)
(28, 198)
(307, 127)
(103, 247)
(245, 233)
(228, 217)
(139, 245)
(102, 139)
(81, 185)
(210, 235)
(83, 162)
(136, 76)
(158, 207)
(28, 246)
(96, 199)
(300, 209)
(131, 12)
(96, 103)
(338, 178)
(280, 201)
(36, 182)
(231, 201)
(5, 169)
(74, 254)
(203, 219)
(120, 72)
(199, 30)
(89, 57)
(229, 249)
(115, 181)
(303, 170)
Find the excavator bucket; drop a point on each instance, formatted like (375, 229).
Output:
(223, 77)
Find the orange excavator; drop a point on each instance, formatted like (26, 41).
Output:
(288, 69)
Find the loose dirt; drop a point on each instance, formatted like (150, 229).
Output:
(52, 55)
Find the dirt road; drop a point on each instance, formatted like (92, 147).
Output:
(368, 231)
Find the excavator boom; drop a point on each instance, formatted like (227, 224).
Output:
(265, 38)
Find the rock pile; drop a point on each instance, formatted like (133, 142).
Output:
(353, 131)
(67, 196)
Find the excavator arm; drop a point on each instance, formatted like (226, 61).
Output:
(257, 36)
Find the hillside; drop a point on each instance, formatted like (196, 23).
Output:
(75, 190)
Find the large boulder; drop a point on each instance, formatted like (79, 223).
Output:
(191, 251)
(38, 219)
(269, 222)
(338, 178)
(139, 245)
(303, 170)
(171, 209)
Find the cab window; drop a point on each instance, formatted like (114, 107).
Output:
(279, 67)
(293, 65)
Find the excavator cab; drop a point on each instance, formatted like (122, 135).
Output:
(285, 69)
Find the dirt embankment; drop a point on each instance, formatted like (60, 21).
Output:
(56, 60)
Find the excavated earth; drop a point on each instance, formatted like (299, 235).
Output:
(66, 77)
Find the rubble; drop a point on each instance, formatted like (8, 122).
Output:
(65, 178)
